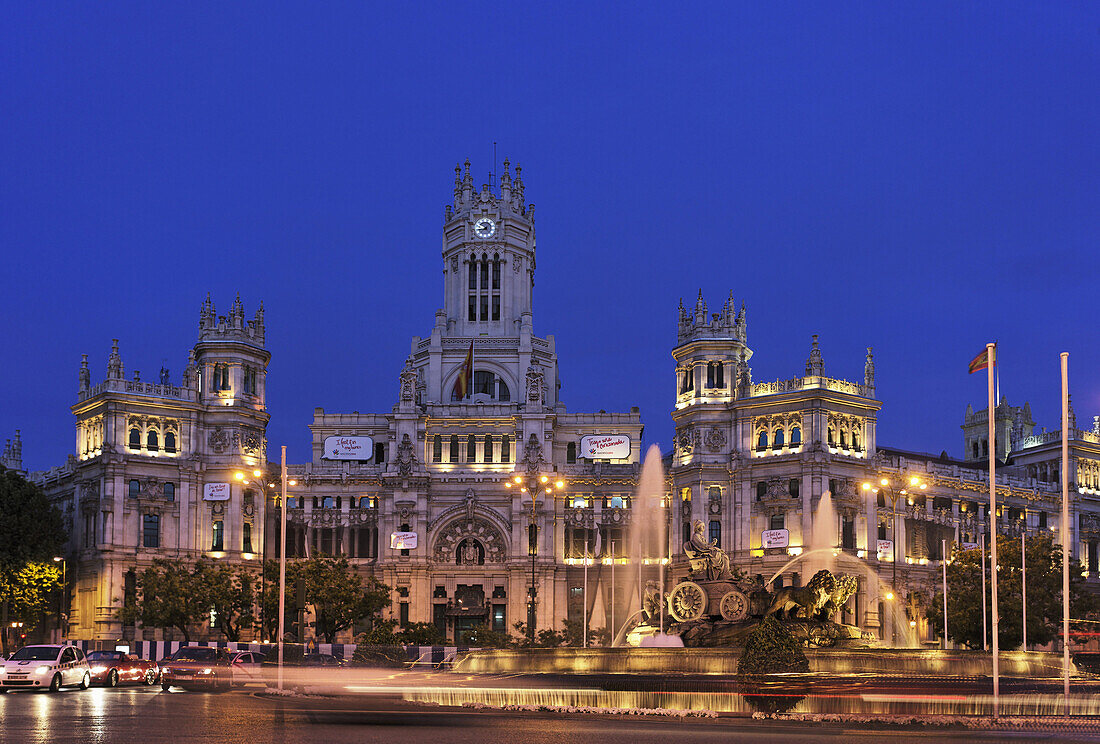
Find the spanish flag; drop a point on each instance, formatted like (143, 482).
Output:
(462, 384)
(981, 361)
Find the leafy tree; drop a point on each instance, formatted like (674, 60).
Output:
(1044, 594)
(421, 634)
(167, 596)
(31, 534)
(573, 632)
(341, 597)
(229, 592)
(770, 649)
(483, 636)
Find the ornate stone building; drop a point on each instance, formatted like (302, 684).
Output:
(154, 474)
(754, 460)
(442, 464)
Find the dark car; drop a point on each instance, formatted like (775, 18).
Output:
(322, 660)
(197, 667)
(112, 668)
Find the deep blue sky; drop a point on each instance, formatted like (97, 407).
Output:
(918, 177)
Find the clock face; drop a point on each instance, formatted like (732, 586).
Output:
(485, 227)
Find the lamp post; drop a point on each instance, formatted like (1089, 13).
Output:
(892, 492)
(532, 484)
(61, 597)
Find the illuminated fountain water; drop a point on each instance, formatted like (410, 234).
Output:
(647, 542)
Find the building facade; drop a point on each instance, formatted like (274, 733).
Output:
(163, 470)
(756, 460)
(479, 484)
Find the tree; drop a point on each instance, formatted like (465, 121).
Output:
(167, 596)
(341, 597)
(228, 593)
(1044, 594)
(770, 649)
(31, 534)
(420, 634)
(483, 636)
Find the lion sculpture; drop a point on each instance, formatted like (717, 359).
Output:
(804, 602)
(844, 587)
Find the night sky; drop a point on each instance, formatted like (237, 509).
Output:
(921, 178)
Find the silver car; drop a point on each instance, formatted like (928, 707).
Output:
(45, 668)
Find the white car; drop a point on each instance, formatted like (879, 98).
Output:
(246, 668)
(45, 668)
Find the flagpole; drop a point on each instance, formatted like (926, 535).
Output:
(985, 627)
(584, 612)
(991, 361)
(613, 597)
(1023, 580)
(943, 555)
(1067, 533)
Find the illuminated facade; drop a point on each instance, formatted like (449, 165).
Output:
(442, 464)
(753, 460)
(156, 464)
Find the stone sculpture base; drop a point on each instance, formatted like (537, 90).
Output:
(720, 633)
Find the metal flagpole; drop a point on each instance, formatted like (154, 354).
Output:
(613, 592)
(282, 567)
(1023, 582)
(1067, 533)
(991, 361)
(985, 627)
(944, 556)
(584, 610)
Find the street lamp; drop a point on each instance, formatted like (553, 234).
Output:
(61, 597)
(893, 491)
(532, 484)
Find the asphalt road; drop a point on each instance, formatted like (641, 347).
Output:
(140, 714)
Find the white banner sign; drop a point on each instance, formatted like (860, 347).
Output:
(606, 447)
(215, 492)
(970, 546)
(403, 540)
(886, 547)
(348, 448)
(774, 538)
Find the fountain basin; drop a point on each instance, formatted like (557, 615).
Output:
(838, 662)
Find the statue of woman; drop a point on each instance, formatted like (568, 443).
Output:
(718, 563)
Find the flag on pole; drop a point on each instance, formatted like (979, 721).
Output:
(981, 361)
(462, 384)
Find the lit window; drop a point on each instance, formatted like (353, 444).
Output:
(796, 436)
(505, 447)
(715, 532)
(218, 536)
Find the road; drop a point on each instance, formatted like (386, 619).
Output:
(140, 714)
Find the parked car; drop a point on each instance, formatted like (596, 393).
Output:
(322, 660)
(112, 668)
(197, 667)
(45, 668)
(246, 667)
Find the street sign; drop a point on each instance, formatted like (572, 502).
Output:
(774, 538)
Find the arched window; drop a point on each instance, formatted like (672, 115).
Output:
(843, 438)
(437, 448)
(571, 452)
(505, 449)
(976, 455)
(135, 439)
(488, 456)
(796, 436)
(777, 439)
(832, 437)
(720, 374)
(134, 488)
(453, 454)
(855, 440)
(329, 502)
(170, 442)
(170, 491)
(483, 383)
(688, 383)
(503, 393)
(615, 502)
(152, 441)
(471, 448)
(762, 441)
(710, 374)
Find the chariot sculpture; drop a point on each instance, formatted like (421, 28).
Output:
(711, 589)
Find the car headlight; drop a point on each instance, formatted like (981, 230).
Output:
(98, 669)
(42, 670)
(207, 671)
